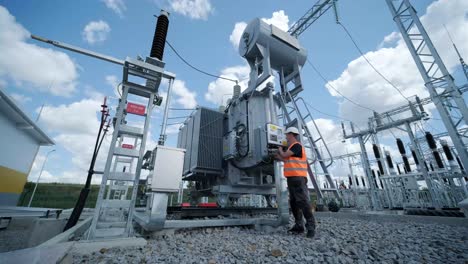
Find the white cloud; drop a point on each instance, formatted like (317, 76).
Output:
(361, 84)
(278, 19)
(236, 34)
(118, 6)
(112, 80)
(96, 31)
(54, 72)
(183, 95)
(390, 39)
(21, 98)
(219, 91)
(78, 117)
(194, 9)
(76, 126)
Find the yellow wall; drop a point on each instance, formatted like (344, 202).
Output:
(12, 181)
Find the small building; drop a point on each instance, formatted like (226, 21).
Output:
(20, 139)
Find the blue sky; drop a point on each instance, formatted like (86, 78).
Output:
(200, 30)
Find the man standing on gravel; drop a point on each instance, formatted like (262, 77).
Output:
(295, 171)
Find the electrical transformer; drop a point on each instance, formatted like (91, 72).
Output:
(231, 152)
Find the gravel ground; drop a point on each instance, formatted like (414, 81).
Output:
(13, 239)
(336, 241)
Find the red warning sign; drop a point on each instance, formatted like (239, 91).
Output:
(136, 109)
(127, 146)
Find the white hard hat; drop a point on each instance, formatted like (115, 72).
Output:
(293, 130)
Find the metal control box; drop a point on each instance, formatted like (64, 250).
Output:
(168, 166)
(275, 135)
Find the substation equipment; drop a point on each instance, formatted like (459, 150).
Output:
(226, 153)
(444, 180)
(230, 151)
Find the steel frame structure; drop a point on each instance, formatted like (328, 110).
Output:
(446, 96)
(314, 13)
(381, 122)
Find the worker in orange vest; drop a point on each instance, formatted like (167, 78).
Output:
(295, 171)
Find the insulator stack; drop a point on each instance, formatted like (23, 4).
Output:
(400, 145)
(389, 160)
(438, 159)
(236, 91)
(419, 103)
(376, 151)
(447, 151)
(425, 165)
(407, 165)
(378, 157)
(430, 141)
(415, 157)
(381, 169)
(374, 177)
(432, 144)
(401, 148)
(160, 34)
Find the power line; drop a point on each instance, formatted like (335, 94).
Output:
(336, 90)
(331, 115)
(327, 114)
(197, 69)
(372, 65)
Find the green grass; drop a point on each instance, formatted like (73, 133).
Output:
(64, 195)
(56, 195)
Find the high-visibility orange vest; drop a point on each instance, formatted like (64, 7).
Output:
(294, 166)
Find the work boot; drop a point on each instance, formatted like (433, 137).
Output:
(310, 233)
(297, 229)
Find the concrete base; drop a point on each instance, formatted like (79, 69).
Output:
(44, 229)
(71, 234)
(90, 246)
(45, 255)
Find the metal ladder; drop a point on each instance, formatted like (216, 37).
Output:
(311, 144)
(113, 214)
